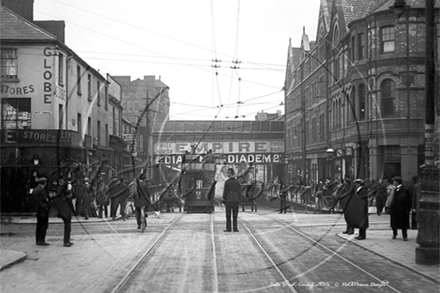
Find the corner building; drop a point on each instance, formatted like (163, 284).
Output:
(372, 67)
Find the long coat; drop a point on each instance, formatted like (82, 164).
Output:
(356, 208)
(400, 208)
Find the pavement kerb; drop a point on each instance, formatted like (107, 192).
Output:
(10, 258)
(358, 243)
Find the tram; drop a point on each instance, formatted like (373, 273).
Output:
(197, 184)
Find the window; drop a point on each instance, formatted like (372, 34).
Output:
(387, 39)
(321, 128)
(9, 63)
(353, 56)
(89, 126)
(388, 92)
(60, 68)
(78, 79)
(106, 97)
(60, 116)
(106, 135)
(89, 86)
(98, 127)
(314, 130)
(361, 46)
(362, 110)
(336, 37)
(16, 113)
(79, 125)
(98, 84)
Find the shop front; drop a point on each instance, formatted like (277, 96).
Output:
(29, 154)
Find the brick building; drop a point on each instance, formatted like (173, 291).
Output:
(358, 90)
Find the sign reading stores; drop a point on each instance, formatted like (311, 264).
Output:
(225, 159)
(221, 147)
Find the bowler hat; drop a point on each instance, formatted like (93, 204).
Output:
(42, 180)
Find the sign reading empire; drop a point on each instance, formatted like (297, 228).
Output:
(225, 147)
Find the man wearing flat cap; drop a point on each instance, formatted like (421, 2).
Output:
(231, 197)
(42, 204)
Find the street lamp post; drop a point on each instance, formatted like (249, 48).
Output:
(428, 233)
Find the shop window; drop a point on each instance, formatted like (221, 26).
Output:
(16, 113)
(9, 63)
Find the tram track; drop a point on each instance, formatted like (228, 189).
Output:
(119, 287)
(327, 260)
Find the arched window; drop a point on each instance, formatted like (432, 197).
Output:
(388, 94)
(335, 36)
(352, 106)
(362, 109)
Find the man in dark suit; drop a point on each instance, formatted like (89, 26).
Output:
(64, 204)
(344, 194)
(231, 197)
(399, 209)
(42, 205)
(359, 214)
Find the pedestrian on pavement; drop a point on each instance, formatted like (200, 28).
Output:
(42, 204)
(63, 201)
(381, 195)
(283, 195)
(102, 199)
(415, 205)
(231, 197)
(88, 197)
(390, 195)
(400, 208)
(141, 198)
(118, 192)
(344, 194)
(358, 209)
(78, 194)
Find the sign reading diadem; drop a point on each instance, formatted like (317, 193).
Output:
(226, 147)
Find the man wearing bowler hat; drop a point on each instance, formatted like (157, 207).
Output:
(231, 197)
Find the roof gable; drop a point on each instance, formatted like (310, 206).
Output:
(15, 27)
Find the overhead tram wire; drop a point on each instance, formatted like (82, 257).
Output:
(159, 54)
(85, 42)
(214, 51)
(152, 32)
(236, 60)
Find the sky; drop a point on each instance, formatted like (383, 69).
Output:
(221, 59)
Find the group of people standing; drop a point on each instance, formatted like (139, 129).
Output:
(397, 199)
(76, 198)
